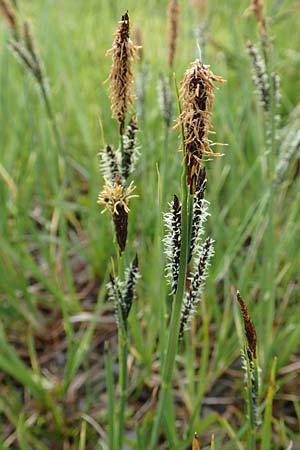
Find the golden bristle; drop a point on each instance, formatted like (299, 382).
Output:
(173, 26)
(197, 97)
(115, 197)
(123, 52)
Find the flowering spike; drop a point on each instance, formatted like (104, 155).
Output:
(192, 297)
(200, 206)
(260, 76)
(115, 295)
(197, 97)
(129, 287)
(110, 163)
(130, 150)
(172, 242)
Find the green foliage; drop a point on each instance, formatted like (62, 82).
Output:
(51, 226)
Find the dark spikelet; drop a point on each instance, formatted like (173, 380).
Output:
(120, 219)
(250, 331)
(260, 76)
(123, 52)
(173, 25)
(172, 242)
(197, 97)
(129, 289)
(130, 150)
(199, 211)
(165, 98)
(197, 282)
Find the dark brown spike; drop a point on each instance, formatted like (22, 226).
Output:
(249, 326)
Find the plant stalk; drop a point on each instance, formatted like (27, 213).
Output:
(172, 346)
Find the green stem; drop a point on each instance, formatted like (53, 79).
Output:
(175, 317)
(110, 393)
(123, 378)
(251, 409)
(51, 118)
(123, 355)
(270, 231)
(172, 346)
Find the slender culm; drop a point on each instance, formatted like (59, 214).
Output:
(197, 96)
(123, 52)
(165, 99)
(172, 242)
(192, 297)
(173, 25)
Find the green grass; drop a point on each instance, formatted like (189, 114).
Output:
(56, 248)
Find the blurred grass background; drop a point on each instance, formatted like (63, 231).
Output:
(56, 246)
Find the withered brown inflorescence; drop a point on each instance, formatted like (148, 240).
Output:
(197, 97)
(123, 52)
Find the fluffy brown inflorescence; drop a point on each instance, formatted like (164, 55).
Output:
(173, 25)
(123, 52)
(197, 96)
(248, 325)
(115, 197)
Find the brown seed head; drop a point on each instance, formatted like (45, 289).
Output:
(249, 326)
(115, 197)
(197, 96)
(123, 52)
(173, 25)
(8, 14)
